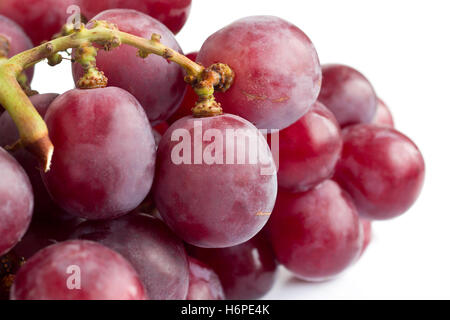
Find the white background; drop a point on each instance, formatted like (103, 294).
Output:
(403, 47)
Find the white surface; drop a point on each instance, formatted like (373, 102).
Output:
(403, 47)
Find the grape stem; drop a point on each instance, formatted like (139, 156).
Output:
(32, 128)
(4, 47)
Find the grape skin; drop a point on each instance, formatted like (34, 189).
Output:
(44, 206)
(348, 94)
(383, 116)
(308, 150)
(172, 13)
(150, 246)
(40, 19)
(246, 271)
(214, 205)
(277, 70)
(156, 83)
(103, 165)
(317, 234)
(16, 202)
(105, 275)
(382, 169)
(204, 284)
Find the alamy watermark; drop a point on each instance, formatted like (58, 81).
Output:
(74, 280)
(242, 146)
(74, 13)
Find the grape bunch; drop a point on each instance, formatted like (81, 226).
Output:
(186, 177)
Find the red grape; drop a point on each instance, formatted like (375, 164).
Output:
(40, 19)
(246, 271)
(277, 70)
(17, 39)
(173, 13)
(367, 228)
(156, 83)
(309, 150)
(213, 194)
(16, 202)
(189, 100)
(382, 169)
(204, 284)
(348, 94)
(383, 116)
(44, 207)
(316, 234)
(51, 274)
(104, 158)
(154, 251)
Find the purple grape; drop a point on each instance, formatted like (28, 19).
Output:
(277, 70)
(206, 203)
(104, 158)
(154, 251)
